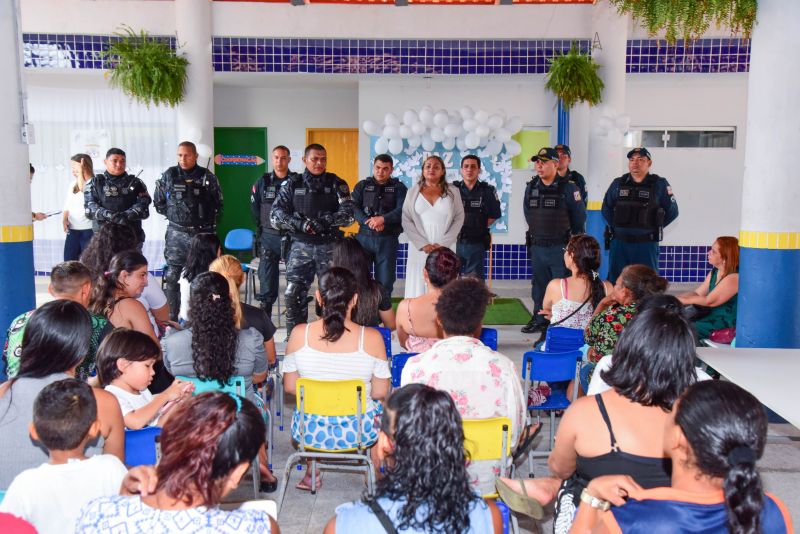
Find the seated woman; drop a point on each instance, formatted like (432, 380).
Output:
(569, 302)
(374, 305)
(425, 487)
(620, 431)
(615, 311)
(213, 348)
(482, 382)
(718, 432)
(53, 346)
(206, 447)
(719, 291)
(250, 316)
(417, 329)
(203, 249)
(336, 348)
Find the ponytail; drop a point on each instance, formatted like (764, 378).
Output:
(744, 493)
(337, 288)
(102, 299)
(585, 252)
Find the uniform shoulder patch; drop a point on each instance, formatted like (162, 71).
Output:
(669, 190)
(576, 195)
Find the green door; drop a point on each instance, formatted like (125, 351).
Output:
(240, 159)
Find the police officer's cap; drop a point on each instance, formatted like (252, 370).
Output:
(563, 148)
(546, 154)
(640, 151)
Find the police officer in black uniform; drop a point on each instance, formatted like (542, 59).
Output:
(190, 197)
(481, 209)
(637, 207)
(116, 196)
(554, 210)
(272, 241)
(378, 207)
(311, 208)
(564, 160)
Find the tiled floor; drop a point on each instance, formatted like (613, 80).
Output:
(305, 513)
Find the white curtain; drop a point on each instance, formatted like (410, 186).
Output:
(67, 121)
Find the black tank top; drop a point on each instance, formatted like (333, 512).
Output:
(648, 472)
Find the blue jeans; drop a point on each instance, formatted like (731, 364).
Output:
(472, 256)
(546, 263)
(384, 254)
(623, 254)
(76, 243)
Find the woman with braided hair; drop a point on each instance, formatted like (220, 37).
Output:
(207, 445)
(717, 433)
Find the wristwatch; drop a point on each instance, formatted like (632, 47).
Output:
(593, 501)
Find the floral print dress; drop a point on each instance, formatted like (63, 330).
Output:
(604, 330)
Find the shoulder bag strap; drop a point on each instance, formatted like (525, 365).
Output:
(386, 523)
(576, 310)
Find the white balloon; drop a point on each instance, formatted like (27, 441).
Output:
(194, 135)
(494, 148)
(381, 145)
(426, 117)
(414, 141)
(409, 117)
(622, 123)
(428, 144)
(203, 150)
(391, 120)
(418, 128)
(437, 134)
(395, 146)
(440, 119)
(481, 116)
(472, 140)
(466, 112)
(502, 113)
(482, 130)
(483, 141)
(452, 130)
(502, 135)
(495, 122)
(405, 131)
(470, 124)
(391, 131)
(461, 143)
(513, 125)
(371, 128)
(512, 147)
(449, 143)
(605, 124)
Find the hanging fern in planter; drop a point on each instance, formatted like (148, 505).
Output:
(573, 78)
(690, 18)
(146, 68)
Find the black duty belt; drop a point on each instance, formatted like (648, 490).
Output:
(194, 229)
(637, 238)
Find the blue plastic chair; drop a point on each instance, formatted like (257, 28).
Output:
(489, 337)
(387, 339)
(398, 362)
(561, 339)
(141, 446)
(550, 367)
(241, 240)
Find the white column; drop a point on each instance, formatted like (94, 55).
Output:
(196, 112)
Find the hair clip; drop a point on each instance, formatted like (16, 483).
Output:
(594, 275)
(106, 274)
(238, 400)
(214, 297)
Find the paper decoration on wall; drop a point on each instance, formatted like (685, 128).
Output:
(249, 160)
(611, 125)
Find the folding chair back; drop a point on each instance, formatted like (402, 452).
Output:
(235, 385)
(387, 339)
(488, 439)
(398, 362)
(561, 339)
(489, 337)
(239, 239)
(332, 397)
(141, 446)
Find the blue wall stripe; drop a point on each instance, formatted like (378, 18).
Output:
(16, 279)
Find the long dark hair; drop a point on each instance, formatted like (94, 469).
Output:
(110, 239)
(429, 461)
(585, 252)
(336, 288)
(214, 333)
(653, 359)
(442, 182)
(123, 343)
(56, 339)
(102, 300)
(206, 438)
(203, 249)
(349, 254)
(727, 429)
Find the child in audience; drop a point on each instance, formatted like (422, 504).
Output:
(125, 366)
(51, 496)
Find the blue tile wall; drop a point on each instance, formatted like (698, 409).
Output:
(698, 56)
(66, 51)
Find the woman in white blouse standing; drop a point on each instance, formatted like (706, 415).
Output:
(77, 227)
(432, 218)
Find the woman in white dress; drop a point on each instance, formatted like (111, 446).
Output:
(432, 217)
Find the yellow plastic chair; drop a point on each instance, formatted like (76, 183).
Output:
(330, 398)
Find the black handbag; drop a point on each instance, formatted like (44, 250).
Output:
(695, 312)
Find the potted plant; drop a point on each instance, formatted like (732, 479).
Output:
(573, 78)
(146, 68)
(690, 18)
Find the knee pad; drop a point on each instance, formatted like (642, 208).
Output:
(295, 293)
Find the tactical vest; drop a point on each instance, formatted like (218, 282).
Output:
(475, 217)
(116, 194)
(548, 216)
(315, 196)
(189, 202)
(637, 206)
(268, 194)
(380, 199)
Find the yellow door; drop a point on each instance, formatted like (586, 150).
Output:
(342, 147)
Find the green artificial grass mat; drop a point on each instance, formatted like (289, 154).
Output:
(503, 311)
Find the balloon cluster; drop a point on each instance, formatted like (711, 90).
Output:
(194, 135)
(466, 129)
(611, 125)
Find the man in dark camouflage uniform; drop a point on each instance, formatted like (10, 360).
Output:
(190, 197)
(311, 208)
